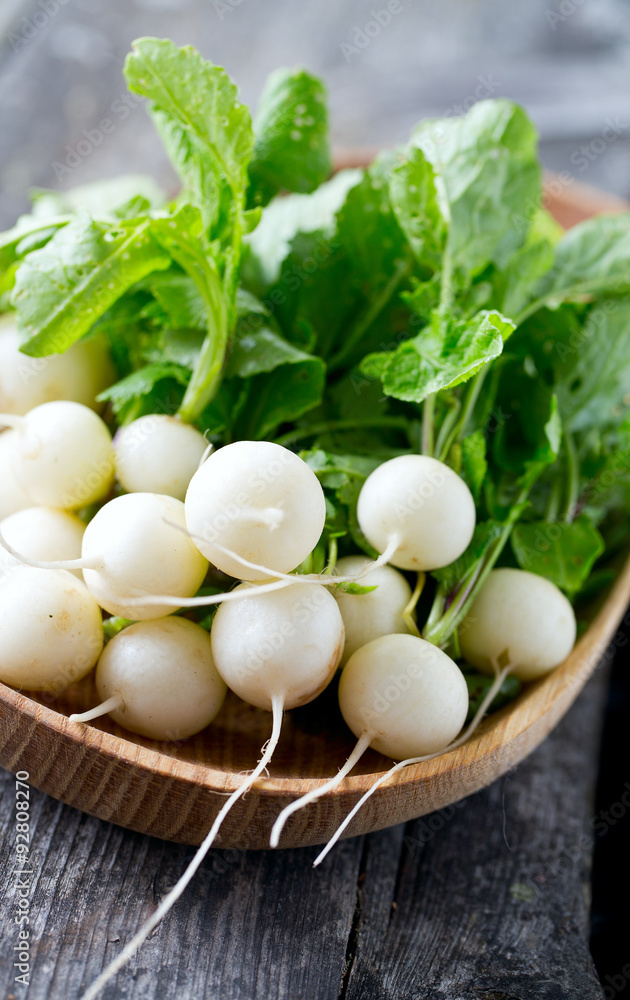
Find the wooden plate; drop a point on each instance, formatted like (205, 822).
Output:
(174, 791)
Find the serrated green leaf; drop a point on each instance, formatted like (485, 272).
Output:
(415, 203)
(142, 382)
(488, 171)
(205, 128)
(79, 274)
(444, 354)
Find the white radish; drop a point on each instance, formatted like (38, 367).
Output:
(406, 694)
(44, 534)
(418, 511)
(491, 693)
(12, 496)
(158, 454)
(51, 630)
(519, 624)
(79, 374)
(400, 695)
(521, 617)
(63, 455)
(158, 679)
(380, 612)
(133, 548)
(286, 643)
(137, 546)
(280, 649)
(259, 500)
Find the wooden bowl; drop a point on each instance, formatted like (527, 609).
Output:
(174, 791)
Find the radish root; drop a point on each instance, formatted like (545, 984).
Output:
(50, 564)
(95, 713)
(167, 903)
(362, 745)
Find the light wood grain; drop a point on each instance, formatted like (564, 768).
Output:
(174, 791)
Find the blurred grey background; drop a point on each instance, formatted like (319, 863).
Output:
(566, 61)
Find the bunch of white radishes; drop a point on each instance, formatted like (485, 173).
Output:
(255, 511)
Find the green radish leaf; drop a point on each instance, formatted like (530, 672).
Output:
(104, 200)
(528, 424)
(563, 553)
(415, 202)
(488, 173)
(335, 471)
(447, 352)
(606, 473)
(281, 222)
(142, 382)
(513, 287)
(182, 305)
(79, 274)
(284, 394)
(263, 350)
(291, 151)
(206, 130)
(339, 293)
(593, 258)
(29, 233)
(585, 356)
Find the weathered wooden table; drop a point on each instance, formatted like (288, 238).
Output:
(488, 900)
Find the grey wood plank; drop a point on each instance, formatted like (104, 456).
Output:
(490, 900)
(251, 926)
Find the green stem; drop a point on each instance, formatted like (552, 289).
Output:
(437, 609)
(573, 484)
(457, 650)
(206, 377)
(428, 416)
(112, 626)
(333, 551)
(408, 612)
(340, 425)
(470, 400)
(444, 438)
(553, 501)
(365, 321)
(447, 292)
